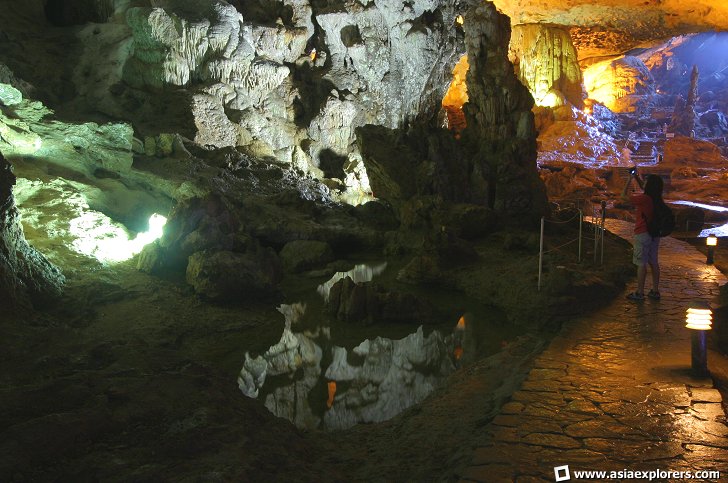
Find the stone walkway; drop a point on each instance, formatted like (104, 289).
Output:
(614, 391)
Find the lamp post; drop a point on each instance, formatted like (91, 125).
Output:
(699, 319)
(710, 242)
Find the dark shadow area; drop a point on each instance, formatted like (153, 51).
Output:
(265, 12)
(313, 92)
(427, 22)
(65, 13)
(402, 163)
(332, 164)
(351, 36)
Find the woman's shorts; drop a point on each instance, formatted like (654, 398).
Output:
(645, 249)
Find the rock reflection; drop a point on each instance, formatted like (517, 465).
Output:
(392, 376)
(360, 273)
(309, 380)
(372, 382)
(293, 353)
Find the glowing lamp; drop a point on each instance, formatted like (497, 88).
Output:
(711, 243)
(699, 319)
(460, 20)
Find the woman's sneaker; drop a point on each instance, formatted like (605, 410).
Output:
(636, 296)
(654, 295)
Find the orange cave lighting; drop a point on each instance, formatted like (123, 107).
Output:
(456, 96)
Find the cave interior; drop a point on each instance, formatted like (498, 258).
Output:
(238, 234)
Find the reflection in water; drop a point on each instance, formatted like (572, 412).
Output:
(359, 274)
(373, 382)
(293, 354)
(314, 383)
(387, 377)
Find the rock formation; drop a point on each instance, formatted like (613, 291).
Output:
(26, 276)
(623, 84)
(616, 26)
(546, 62)
(296, 83)
(683, 116)
(500, 125)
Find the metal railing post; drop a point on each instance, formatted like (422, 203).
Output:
(604, 215)
(540, 256)
(581, 217)
(595, 221)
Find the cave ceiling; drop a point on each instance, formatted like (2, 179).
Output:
(609, 27)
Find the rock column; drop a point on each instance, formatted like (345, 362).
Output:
(500, 125)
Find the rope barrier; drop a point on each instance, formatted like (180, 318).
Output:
(563, 222)
(598, 221)
(561, 246)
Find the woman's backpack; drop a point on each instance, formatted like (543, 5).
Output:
(662, 222)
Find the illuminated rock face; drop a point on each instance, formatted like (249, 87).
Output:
(457, 96)
(266, 80)
(623, 84)
(25, 275)
(546, 62)
(608, 27)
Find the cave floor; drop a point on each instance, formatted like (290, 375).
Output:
(132, 377)
(614, 391)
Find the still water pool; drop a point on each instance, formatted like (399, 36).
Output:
(332, 375)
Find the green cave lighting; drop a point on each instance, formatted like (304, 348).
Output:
(98, 236)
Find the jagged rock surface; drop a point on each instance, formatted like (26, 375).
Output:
(623, 84)
(500, 124)
(545, 61)
(256, 82)
(26, 276)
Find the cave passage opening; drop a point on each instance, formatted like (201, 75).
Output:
(67, 214)
(456, 96)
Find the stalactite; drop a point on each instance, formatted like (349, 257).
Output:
(546, 62)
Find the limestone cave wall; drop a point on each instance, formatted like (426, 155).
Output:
(293, 80)
(623, 84)
(26, 276)
(546, 62)
(608, 27)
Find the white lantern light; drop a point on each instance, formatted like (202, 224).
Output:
(699, 319)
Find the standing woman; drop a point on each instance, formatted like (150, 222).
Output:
(645, 246)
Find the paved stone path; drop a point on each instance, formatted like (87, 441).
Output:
(614, 391)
